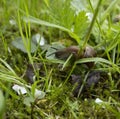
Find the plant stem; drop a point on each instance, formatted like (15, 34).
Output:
(92, 24)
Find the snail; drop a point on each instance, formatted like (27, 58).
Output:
(65, 53)
(87, 52)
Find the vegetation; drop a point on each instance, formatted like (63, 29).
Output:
(59, 59)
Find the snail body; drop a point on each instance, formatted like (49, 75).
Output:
(66, 52)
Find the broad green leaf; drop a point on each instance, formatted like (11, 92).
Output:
(49, 24)
(45, 23)
(18, 43)
(81, 24)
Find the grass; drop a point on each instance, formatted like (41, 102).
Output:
(58, 21)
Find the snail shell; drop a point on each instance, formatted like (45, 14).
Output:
(89, 52)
